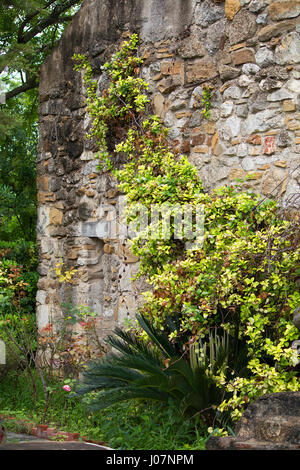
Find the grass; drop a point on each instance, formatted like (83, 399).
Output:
(132, 425)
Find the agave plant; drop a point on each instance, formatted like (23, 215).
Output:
(152, 370)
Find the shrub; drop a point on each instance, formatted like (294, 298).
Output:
(131, 425)
(66, 345)
(17, 318)
(242, 281)
(17, 290)
(154, 370)
(22, 252)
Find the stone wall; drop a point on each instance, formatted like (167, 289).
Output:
(248, 51)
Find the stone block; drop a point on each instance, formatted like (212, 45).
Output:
(264, 57)
(108, 249)
(293, 85)
(55, 216)
(269, 145)
(288, 52)
(250, 69)
(254, 139)
(201, 69)
(198, 139)
(194, 39)
(288, 106)
(171, 67)
(227, 72)
(57, 231)
(280, 95)
(41, 297)
(159, 104)
(87, 261)
(167, 85)
(293, 125)
(44, 197)
(207, 13)
(42, 315)
(43, 183)
(191, 47)
(271, 183)
(282, 10)
(242, 56)
(281, 163)
(226, 108)
(126, 308)
(260, 122)
(215, 37)
(248, 164)
(283, 138)
(242, 27)
(236, 173)
(231, 8)
(126, 255)
(273, 30)
(272, 422)
(268, 84)
(233, 92)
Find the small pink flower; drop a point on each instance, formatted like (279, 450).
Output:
(67, 388)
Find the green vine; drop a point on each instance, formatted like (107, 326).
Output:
(152, 174)
(241, 281)
(206, 100)
(120, 102)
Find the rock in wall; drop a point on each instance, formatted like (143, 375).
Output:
(248, 51)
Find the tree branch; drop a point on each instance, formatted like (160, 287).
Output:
(28, 85)
(57, 14)
(52, 19)
(30, 17)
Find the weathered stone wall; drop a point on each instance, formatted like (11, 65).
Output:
(249, 51)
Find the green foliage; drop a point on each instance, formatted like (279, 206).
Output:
(66, 345)
(206, 100)
(23, 253)
(18, 149)
(154, 370)
(17, 289)
(17, 306)
(17, 316)
(117, 105)
(134, 425)
(28, 33)
(241, 282)
(152, 173)
(18, 285)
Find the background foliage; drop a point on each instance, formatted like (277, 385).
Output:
(29, 31)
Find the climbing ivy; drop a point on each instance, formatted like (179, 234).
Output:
(152, 174)
(206, 100)
(241, 281)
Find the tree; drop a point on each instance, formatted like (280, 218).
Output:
(18, 153)
(29, 31)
